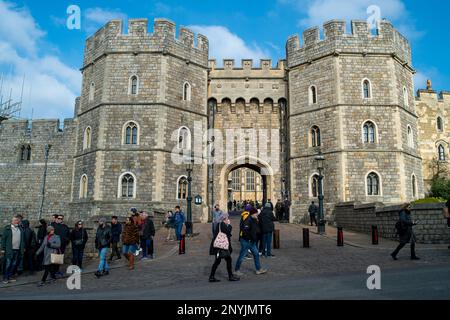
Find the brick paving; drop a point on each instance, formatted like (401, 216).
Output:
(170, 270)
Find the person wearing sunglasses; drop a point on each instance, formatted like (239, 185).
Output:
(79, 238)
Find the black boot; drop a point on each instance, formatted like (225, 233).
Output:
(212, 279)
(233, 278)
(413, 252)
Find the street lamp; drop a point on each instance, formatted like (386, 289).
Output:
(47, 151)
(189, 161)
(320, 159)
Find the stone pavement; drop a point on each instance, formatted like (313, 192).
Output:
(170, 271)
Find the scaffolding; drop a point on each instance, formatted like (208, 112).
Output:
(10, 109)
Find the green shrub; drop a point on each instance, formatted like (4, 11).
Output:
(440, 188)
(430, 200)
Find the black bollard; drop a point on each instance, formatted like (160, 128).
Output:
(340, 237)
(375, 235)
(305, 238)
(276, 239)
(182, 247)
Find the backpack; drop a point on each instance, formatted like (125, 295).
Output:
(244, 227)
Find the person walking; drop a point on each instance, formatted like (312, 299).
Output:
(170, 226)
(30, 246)
(50, 245)
(116, 231)
(63, 231)
(216, 214)
(130, 240)
(313, 210)
(248, 236)
(286, 209)
(102, 244)
(279, 210)
(179, 220)
(41, 234)
(405, 230)
(147, 237)
(79, 238)
(267, 228)
(224, 228)
(13, 247)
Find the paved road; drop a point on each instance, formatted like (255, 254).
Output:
(324, 271)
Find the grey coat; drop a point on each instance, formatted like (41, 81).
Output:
(55, 245)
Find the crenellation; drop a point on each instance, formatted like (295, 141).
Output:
(247, 64)
(265, 64)
(334, 29)
(311, 36)
(360, 28)
(164, 28)
(137, 27)
(187, 36)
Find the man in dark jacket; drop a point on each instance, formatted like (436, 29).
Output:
(63, 231)
(116, 231)
(248, 237)
(13, 247)
(313, 210)
(30, 245)
(41, 234)
(102, 244)
(147, 237)
(267, 228)
(279, 210)
(406, 232)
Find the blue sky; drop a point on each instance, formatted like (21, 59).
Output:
(35, 41)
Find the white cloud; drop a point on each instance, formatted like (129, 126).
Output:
(317, 12)
(223, 44)
(50, 85)
(95, 18)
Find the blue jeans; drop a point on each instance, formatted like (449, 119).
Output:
(146, 245)
(178, 229)
(77, 256)
(103, 265)
(10, 265)
(245, 246)
(129, 248)
(267, 244)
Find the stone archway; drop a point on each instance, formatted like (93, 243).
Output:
(261, 167)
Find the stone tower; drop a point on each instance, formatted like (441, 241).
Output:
(138, 90)
(351, 97)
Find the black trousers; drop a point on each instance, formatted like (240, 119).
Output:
(51, 268)
(115, 250)
(217, 263)
(400, 247)
(313, 219)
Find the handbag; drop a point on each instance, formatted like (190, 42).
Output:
(57, 258)
(221, 241)
(223, 254)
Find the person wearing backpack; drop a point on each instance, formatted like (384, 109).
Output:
(404, 228)
(221, 249)
(248, 237)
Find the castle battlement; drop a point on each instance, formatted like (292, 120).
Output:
(111, 39)
(247, 69)
(423, 95)
(39, 126)
(336, 41)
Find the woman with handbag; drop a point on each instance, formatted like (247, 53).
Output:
(51, 247)
(221, 249)
(79, 238)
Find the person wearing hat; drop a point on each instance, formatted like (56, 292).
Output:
(248, 237)
(50, 245)
(102, 243)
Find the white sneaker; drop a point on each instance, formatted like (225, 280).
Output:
(238, 273)
(261, 271)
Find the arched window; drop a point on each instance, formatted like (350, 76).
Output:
(241, 105)
(312, 95)
(236, 180)
(127, 186)
(91, 91)
(369, 132)
(25, 153)
(226, 105)
(414, 185)
(186, 91)
(373, 184)
(134, 85)
(184, 138)
(83, 186)
(315, 137)
(441, 151)
(182, 187)
(254, 105)
(87, 138)
(440, 124)
(366, 89)
(405, 97)
(410, 137)
(131, 133)
(269, 106)
(314, 186)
